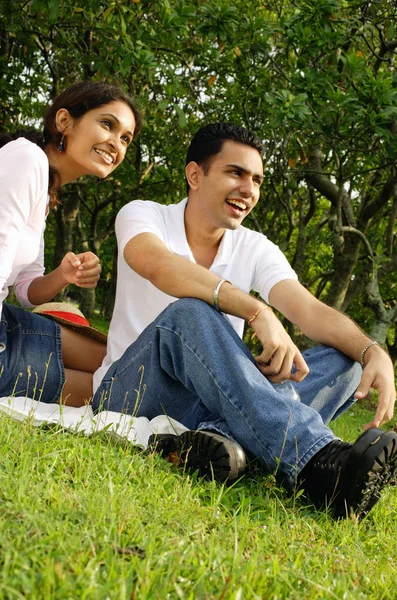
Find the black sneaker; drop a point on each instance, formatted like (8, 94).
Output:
(211, 454)
(348, 479)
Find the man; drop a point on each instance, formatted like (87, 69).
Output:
(188, 360)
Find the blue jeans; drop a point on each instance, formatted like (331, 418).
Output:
(30, 355)
(191, 365)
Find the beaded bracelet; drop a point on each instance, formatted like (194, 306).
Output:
(255, 315)
(364, 351)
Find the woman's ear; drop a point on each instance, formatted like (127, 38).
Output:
(193, 172)
(63, 120)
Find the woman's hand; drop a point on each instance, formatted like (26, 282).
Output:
(81, 269)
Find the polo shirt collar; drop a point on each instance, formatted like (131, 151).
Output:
(225, 249)
(178, 242)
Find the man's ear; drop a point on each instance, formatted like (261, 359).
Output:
(63, 120)
(193, 175)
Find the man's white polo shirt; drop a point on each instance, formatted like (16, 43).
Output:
(246, 258)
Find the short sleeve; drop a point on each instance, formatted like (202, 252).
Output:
(271, 267)
(139, 216)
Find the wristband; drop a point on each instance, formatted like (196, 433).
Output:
(216, 293)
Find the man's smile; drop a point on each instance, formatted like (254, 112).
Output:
(237, 204)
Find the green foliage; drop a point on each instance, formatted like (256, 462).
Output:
(315, 79)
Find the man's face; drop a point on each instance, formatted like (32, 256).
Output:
(230, 189)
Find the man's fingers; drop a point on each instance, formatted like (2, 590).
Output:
(301, 368)
(278, 364)
(384, 412)
(365, 384)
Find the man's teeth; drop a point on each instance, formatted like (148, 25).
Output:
(240, 205)
(105, 155)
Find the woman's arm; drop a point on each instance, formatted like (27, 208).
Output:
(82, 269)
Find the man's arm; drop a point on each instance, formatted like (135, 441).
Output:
(149, 257)
(326, 325)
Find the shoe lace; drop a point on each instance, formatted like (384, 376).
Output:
(332, 455)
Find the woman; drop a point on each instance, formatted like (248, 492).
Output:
(87, 131)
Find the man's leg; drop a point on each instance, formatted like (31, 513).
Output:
(330, 385)
(191, 365)
(328, 388)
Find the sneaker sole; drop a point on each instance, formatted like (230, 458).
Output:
(371, 466)
(213, 456)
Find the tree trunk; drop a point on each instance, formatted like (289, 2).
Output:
(108, 302)
(344, 264)
(87, 303)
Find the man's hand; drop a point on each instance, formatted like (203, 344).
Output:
(82, 269)
(378, 373)
(279, 354)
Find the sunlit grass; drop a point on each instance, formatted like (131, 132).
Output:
(88, 518)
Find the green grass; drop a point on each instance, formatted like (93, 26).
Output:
(90, 518)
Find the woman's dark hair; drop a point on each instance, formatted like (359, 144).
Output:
(209, 140)
(78, 99)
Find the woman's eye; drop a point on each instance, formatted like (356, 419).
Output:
(107, 124)
(126, 139)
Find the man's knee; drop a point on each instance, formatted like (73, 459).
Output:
(188, 309)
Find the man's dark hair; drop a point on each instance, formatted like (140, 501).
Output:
(209, 140)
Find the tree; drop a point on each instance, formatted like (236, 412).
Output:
(315, 79)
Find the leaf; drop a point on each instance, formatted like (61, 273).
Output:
(181, 116)
(107, 12)
(53, 13)
(123, 25)
(292, 163)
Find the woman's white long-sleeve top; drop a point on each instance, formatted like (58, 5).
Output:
(23, 208)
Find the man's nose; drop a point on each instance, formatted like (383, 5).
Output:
(247, 188)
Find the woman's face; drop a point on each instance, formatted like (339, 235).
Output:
(96, 143)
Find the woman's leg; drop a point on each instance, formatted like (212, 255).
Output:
(77, 390)
(81, 356)
(80, 352)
